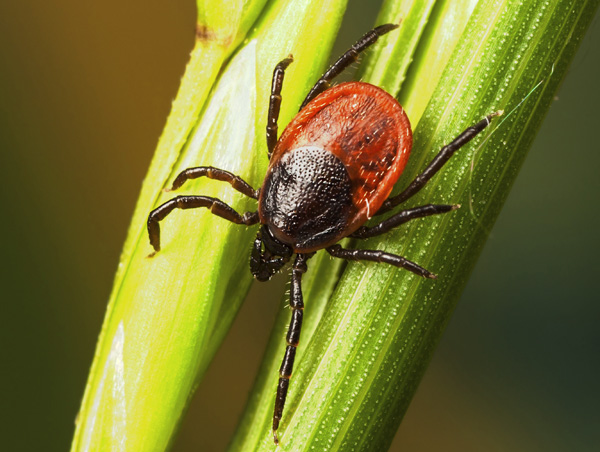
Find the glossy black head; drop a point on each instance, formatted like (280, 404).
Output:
(306, 199)
(264, 263)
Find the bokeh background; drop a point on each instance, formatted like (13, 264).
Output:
(85, 88)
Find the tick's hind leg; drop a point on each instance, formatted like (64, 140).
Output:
(437, 163)
(292, 339)
(379, 256)
(346, 60)
(215, 205)
(400, 218)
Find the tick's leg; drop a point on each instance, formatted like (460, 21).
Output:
(437, 163)
(214, 173)
(379, 256)
(346, 60)
(275, 102)
(400, 218)
(292, 339)
(215, 205)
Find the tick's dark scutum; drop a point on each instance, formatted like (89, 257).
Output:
(306, 198)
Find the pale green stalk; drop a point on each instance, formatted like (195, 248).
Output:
(364, 350)
(168, 314)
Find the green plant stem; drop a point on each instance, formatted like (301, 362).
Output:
(168, 314)
(359, 364)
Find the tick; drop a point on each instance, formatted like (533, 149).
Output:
(331, 170)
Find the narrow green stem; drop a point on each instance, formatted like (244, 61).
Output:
(168, 314)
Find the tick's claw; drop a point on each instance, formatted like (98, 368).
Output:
(275, 439)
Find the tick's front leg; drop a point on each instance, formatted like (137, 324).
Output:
(215, 205)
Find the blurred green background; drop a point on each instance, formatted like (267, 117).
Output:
(85, 88)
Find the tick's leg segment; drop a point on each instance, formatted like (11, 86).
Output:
(214, 173)
(346, 60)
(275, 102)
(292, 339)
(215, 205)
(379, 256)
(437, 163)
(400, 218)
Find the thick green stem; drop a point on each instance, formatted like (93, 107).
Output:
(361, 359)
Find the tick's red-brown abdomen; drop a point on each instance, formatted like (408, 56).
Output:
(366, 132)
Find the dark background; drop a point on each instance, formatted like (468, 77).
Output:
(85, 88)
